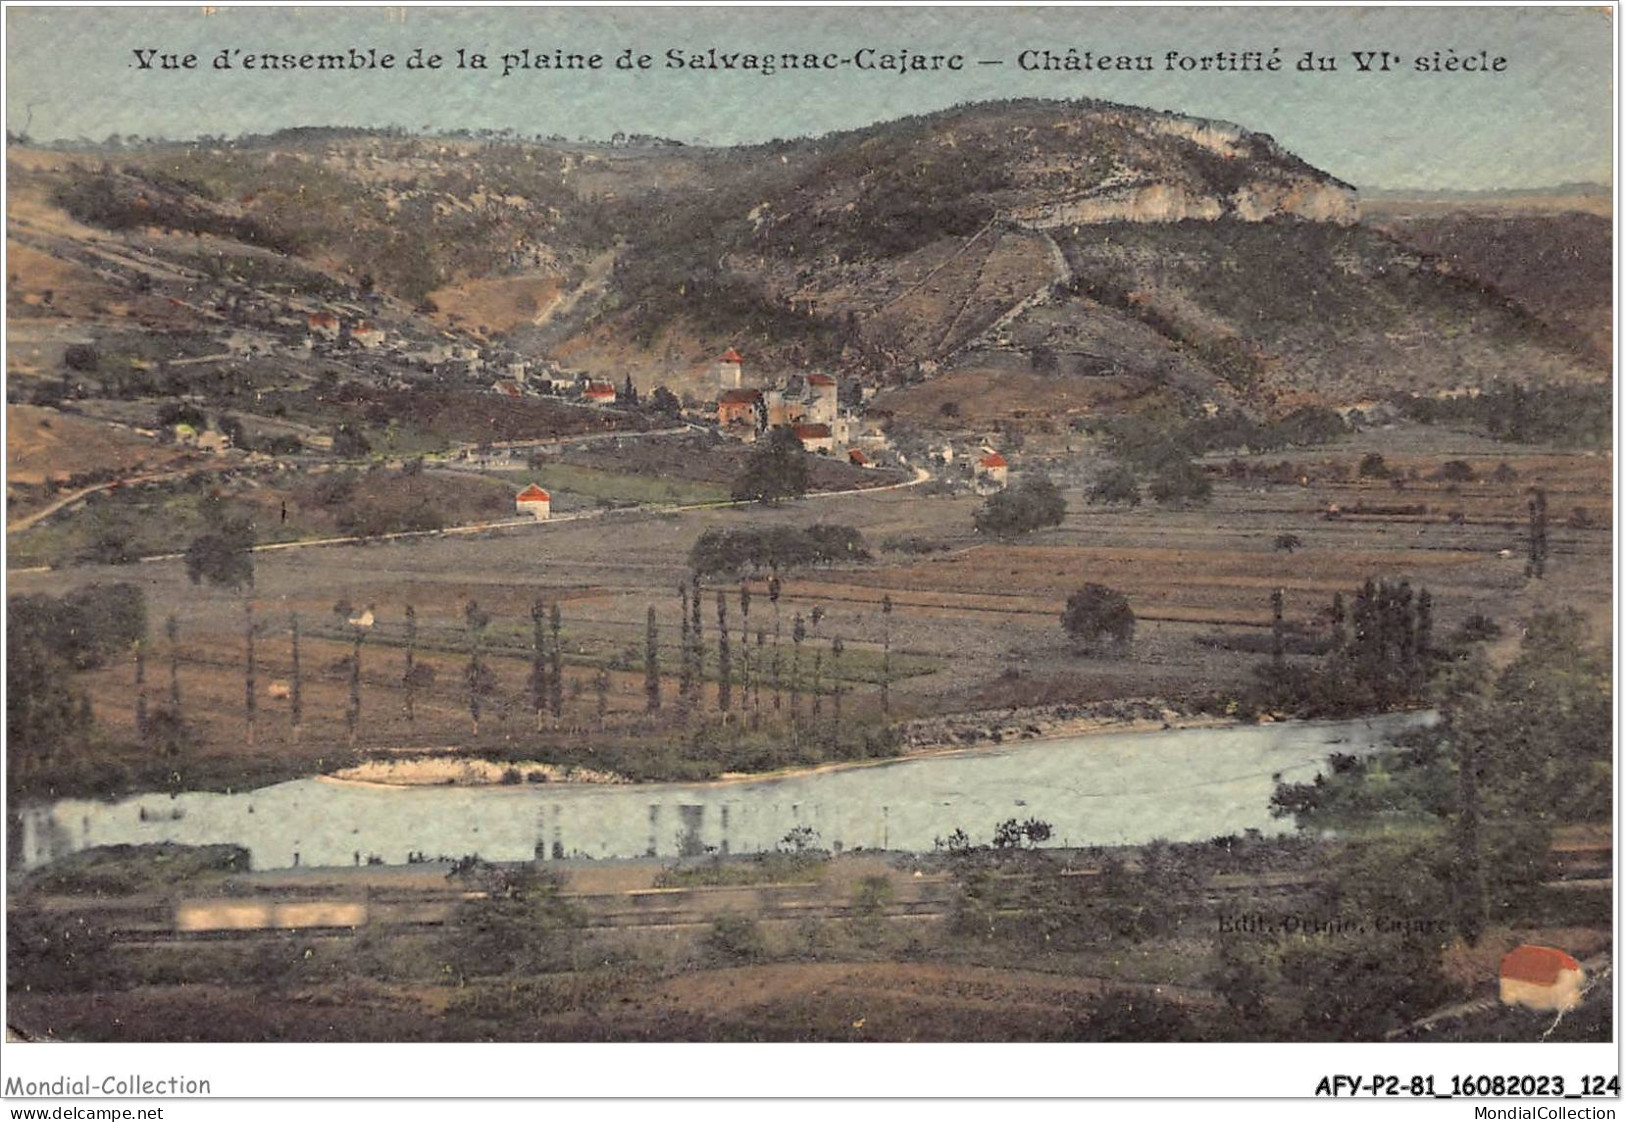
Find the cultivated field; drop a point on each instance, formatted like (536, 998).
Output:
(975, 624)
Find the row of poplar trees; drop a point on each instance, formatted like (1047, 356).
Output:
(739, 676)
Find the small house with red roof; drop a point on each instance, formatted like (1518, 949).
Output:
(1541, 978)
(730, 369)
(738, 407)
(367, 335)
(814, 438)
(992, 468)
(599, 393)
(535, 502)
(856, 458)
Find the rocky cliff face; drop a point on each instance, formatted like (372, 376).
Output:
(1169, 168)
(1163, 202)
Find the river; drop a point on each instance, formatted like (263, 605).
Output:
(1100, 789)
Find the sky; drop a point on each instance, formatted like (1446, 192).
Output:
(1546, 118)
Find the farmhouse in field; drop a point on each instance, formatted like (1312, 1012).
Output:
(1540, 978)
(991, 469)
(535, 502)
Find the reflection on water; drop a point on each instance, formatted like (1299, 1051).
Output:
(1109, 789)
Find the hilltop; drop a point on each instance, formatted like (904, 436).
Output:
(1125, 254)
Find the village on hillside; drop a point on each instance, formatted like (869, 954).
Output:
(1031, 570)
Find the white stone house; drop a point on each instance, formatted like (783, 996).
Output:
(535, 502)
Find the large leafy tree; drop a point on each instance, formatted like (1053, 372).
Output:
(1032, 504)
(223, 555)
(776, 469)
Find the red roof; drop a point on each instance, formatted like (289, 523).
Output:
(323, 319)
(739, 397)
(1540, 965)
(533, 494)
(993, 460)
(810, 432)
(820, 380)
(730, 355)
(857, 457)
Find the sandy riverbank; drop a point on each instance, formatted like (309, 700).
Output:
(953, 735)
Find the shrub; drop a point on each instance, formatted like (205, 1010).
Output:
(735, 938)
(82, 357)
(1095, 612)
(222, 555)
(1135, 1018)
(1116, 485)
(1181, 483)
(1478, 628)
(521, 923)
(873, 895)
(1373, 466)
(348, 441)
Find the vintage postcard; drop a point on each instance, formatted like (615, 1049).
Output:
(975, 524)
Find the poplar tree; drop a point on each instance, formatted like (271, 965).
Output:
(1277, 632)
(837, 649)
(685, 680)
(141, 690)
(538, 659)
(697, 627)
(744, 645)
(773, 590)
(172, 631)
(476, 676)
(756, 692)
(798, 633)
(818, 685)
(724, 656)
(555, 622)
(353, 717)
(409, 679)
(651, 661)
(296, 696)
(885, 657)
(1537, 536)
(250, 702)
